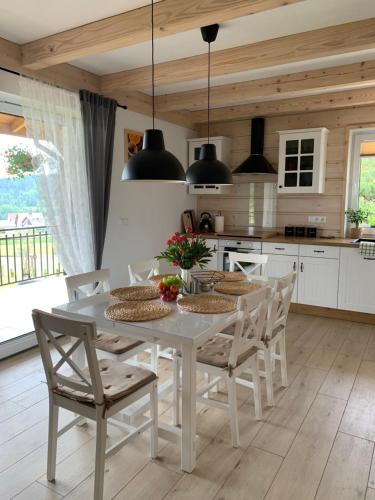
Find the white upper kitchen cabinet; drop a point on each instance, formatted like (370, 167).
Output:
(357, 281)
(318, 281)
(302, 160)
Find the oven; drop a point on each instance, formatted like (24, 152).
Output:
(239, 246)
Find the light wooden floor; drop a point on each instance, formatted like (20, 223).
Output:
(317, 442)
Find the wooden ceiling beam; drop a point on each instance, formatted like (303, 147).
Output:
(70, 77)
(64, 75)
(142, 103)
(334, 40)
(132, 27)
(321, 102)
(338, 77)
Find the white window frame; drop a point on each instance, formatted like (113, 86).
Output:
(356, 138)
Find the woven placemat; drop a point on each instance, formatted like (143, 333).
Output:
(234, 288)
(137, 310)
(229, 276)
(135, 293)
(207, 304)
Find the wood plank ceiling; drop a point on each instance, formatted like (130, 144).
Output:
(335, 87)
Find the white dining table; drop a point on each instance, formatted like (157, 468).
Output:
(181, 330)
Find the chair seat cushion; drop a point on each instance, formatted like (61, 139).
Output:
(115, 344)
(216, 352)
(119, 380)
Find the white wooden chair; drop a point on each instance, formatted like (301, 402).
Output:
(112, 346)
(259, 263)
(97, 392)
(147, 268)
(273, 347)
(227, 358)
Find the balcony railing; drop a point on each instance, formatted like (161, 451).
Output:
(27, 254)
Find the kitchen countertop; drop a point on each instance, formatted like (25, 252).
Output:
(338, 242)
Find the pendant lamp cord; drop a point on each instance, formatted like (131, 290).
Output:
(208, 92)
(153, 64)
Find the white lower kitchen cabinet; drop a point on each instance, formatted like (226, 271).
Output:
(280, 265)
(213, 264)
(356, 282)
(318, 281)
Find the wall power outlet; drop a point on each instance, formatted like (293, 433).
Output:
(321, 219)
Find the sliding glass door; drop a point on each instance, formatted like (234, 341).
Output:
(31, 275)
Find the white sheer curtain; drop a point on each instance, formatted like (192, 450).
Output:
(53, 120)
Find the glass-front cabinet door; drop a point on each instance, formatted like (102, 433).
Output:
(302, 160)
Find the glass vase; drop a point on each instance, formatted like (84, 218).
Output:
(187, 279)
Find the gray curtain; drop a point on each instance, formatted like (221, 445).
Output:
(99, 118)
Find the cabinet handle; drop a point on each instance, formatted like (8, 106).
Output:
(318, 251)
(279, 248)
(294, 266)
(302, 266)
(369, 258)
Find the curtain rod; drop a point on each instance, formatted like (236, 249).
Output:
(19, 74)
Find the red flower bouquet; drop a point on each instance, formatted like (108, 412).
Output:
(186, 251)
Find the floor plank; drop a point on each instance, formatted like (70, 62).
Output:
(340, 378)
(300, 473)
(26, 471)
(252, 476)
(37, 492)
(346, 474)
(9, 409)
(280, 429)
(359, 416)
(370, 494)
(160, 481)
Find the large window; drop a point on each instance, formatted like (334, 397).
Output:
(361, 173)
(366, 184)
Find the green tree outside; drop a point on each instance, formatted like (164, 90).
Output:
(367, 187)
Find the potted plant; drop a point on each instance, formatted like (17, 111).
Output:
(186, 251)
(19, 161)
(357, 217)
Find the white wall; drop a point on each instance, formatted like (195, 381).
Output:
(152, 211)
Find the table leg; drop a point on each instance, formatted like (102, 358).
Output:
(188, 451)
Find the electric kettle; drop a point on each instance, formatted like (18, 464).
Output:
(206, 223)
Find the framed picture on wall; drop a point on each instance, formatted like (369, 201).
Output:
(133, 142)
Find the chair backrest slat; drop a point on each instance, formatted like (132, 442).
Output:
(279, 310)
(259, 261)
(148, 268)
(87, 284)
(46, 325)
(249, 329)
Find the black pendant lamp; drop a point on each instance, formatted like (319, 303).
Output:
(208, 169)
(153, 163)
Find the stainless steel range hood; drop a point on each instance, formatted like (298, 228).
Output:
(256, 168)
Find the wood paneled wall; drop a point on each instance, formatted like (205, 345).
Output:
(295, 209)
